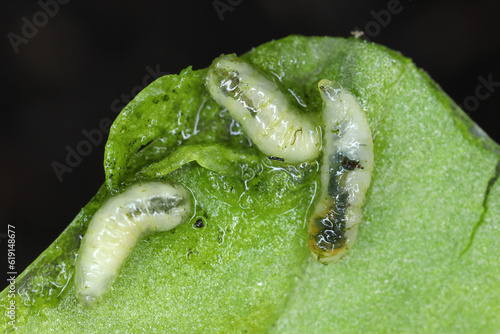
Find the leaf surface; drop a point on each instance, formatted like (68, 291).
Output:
(425, 259)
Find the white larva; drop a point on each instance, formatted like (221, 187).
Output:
(116, 228)
(265, 114)
(345, 174)
(272, 124)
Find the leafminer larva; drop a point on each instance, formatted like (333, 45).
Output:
(265, 114)
(117, 226)
(279, 130)
(345, 174)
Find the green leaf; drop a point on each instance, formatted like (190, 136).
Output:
(425, 259)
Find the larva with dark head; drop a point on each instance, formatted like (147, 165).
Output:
(116, 228)
(279, 130)
(265, 114)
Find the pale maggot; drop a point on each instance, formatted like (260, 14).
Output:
(118, 225)
(345, 174)
(265, 114)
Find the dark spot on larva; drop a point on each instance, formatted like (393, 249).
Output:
(340, 166)
(331, 227)
(199, 223)
(331, 238)
(276, 158)
(334, 187)
(189, 254)
(341, 204)
(350, 164)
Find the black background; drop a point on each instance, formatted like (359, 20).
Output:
(65, 78)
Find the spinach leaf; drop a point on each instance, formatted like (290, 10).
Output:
(425, 259)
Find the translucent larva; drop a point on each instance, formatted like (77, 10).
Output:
(279, 130)
(265, 114)
(116, 228)
(345, 174)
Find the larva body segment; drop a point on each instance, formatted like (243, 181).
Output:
(345, 174)
(273, 124)
(116, 228)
